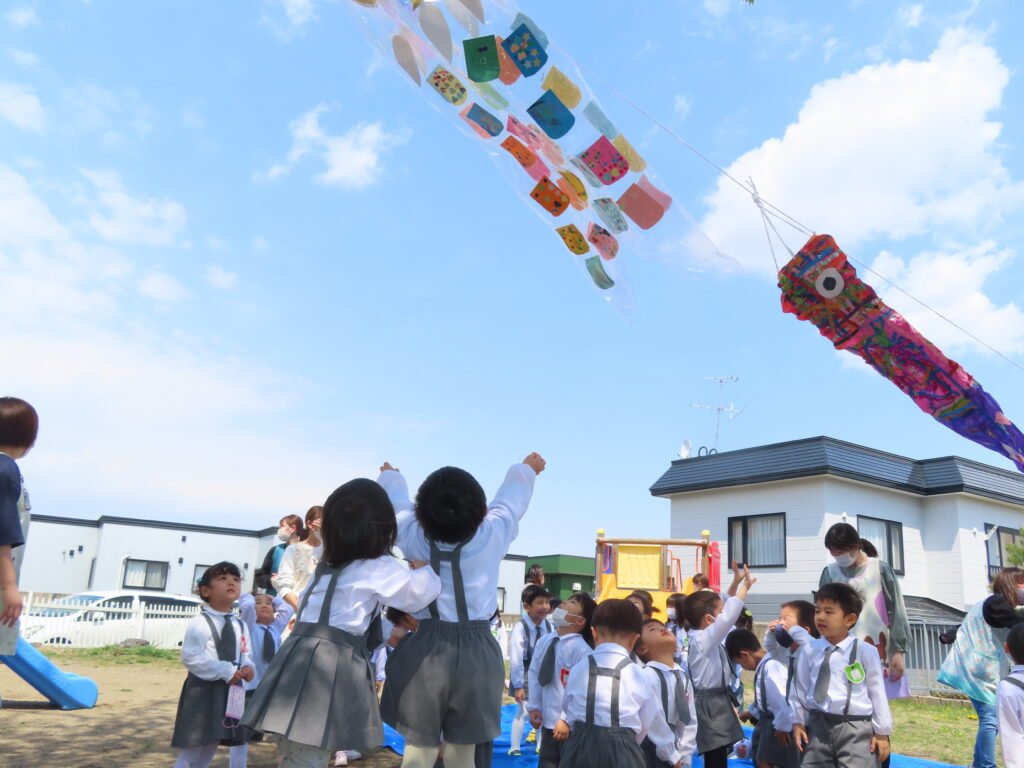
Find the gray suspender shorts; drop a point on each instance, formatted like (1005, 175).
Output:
(446, 679)
(602, 746)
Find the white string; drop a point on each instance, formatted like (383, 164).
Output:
(764, 220)
(769, 211)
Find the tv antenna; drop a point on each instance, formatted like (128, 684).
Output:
(730, 410)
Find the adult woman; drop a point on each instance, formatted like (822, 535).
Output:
(300, 560)
(290, 530)
(883, 622)
(976, 663)
(535, 575)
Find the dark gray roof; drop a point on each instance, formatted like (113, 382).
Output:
(927, 611)
(816, 456)
(110, 520)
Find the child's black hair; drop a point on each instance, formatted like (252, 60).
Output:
(1015, 643)
(617, 617)
(218, 569)
(843, 595)
(19, 423)
(554, 602)
(842, 536)
(804, 615)
(533, 592)
(450, 505)
(697, 606)
(395, 616)
(740, 640)
(745, 620)
(358, 523)
(589, 606)
(646, 600)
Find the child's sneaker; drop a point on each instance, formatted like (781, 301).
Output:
(514, 753)
(531, 737)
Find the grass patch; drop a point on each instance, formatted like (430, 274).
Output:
(935, 731)
(113, 654)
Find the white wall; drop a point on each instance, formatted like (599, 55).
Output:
(975, 512)
(49, 566)
(512, 577)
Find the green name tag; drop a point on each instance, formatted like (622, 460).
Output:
(855, 673)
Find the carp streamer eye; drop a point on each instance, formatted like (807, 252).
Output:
(830, 283)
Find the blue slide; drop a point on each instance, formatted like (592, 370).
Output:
(64, 690)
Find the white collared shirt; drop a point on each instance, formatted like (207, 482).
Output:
(639, 707)
(199, 648)
(1011, 719)
(282, 615)
(705, 655)
(571, 649)
(801, 637)
(775, 676)
(867, 698)
(522, 643)
(480, 556)
(366, 585)
(686, 735)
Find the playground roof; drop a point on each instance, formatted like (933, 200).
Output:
(827, 456)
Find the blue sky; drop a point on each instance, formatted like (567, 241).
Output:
(242, 260)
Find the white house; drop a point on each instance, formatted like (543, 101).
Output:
(67, 555)
(942, 524)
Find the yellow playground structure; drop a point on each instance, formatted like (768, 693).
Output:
(660, 566)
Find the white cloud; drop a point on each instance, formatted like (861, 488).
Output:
(93, 108)
(352, 159)
(23, 16)
(829, 48)
(24, 59)
(218, 277)
(121, 218)
(718, 8)
(681, 106)
(298, 12)
(20, 107)
(215, 243)
(192, 118)
(896, 150)
(260, 243)
(162, 287)
(911, 15)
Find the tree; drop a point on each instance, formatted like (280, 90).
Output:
(1015, 553)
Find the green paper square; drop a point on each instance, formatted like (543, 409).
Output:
(482, 62)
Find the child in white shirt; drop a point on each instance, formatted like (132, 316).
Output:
(670, 682)
(1011, 702)
(526, 635)
(266, 618)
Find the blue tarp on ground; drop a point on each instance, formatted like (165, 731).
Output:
(528, 759)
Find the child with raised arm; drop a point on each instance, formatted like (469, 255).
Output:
(710, 621)
(656, 649)
(446, 681)
(772, 744)
(840, 709)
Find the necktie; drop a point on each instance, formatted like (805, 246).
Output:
(547, 664)
(536, 635)
(226, 648)
(269, 649)
(682, 705)
(824, 676)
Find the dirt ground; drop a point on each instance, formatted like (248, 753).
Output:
(130, 725)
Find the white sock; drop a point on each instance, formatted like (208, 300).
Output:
(238, 757)
(420, 757)
(196, 757)
(518, 725)
(459, 755)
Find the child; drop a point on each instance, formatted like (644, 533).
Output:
(19, 426)
(700, 581)
(402, 625)
(216, 652)
(674, 613)
(556, 653)
(644, 603)
(499, 633)
(840, 709)
(609, 701)
(445, 682)
(526, 634)
(318, 693)
(793, 630)
(710, 620)
(656, 649)
(772, 745)
(1011, 702)
(266, 618)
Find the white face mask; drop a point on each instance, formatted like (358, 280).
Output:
(284, 534)
(845, 560)
(561, 618)
(671, 613)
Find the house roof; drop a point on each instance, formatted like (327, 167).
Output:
(924, 610)
(136, 521)
(827, 456)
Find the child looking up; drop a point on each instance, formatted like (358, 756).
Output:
(526, 634)
(1010, 695)
(674, 614)
(772, 745)
(656, 648)
(556, 653)
(710, 620)
(318, 693)
(609, 701)
(840, 709)
(19, 426)
(446, 681)
(216, 652)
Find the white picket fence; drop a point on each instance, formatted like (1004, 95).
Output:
(61, 621)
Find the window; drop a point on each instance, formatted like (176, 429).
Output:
(501, 599)
(887, 536)
(145, 574)
(758, 540)
(998, 556)
(197, 574)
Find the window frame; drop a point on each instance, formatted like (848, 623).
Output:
(902, 571)
(196, 576)
(167, 572)
(994, 568)
(745, 534)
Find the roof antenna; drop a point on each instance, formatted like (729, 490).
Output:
(730, 409)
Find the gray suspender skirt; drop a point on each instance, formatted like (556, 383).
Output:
(763, 744)
(446, 678)
(319, 690)
(200, 718)
(602, 746)
(717, 725)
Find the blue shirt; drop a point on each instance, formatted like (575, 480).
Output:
(10, 491)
